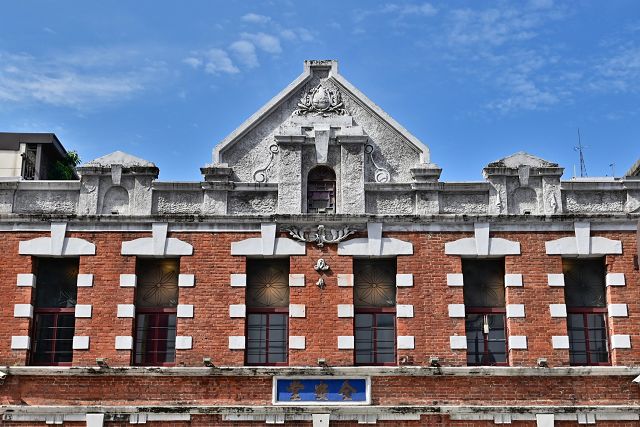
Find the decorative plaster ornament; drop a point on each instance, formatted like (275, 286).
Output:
(320, 101)
(321, 265)
(321, 236)
(320, 283)
(381, 175)
(260, 175)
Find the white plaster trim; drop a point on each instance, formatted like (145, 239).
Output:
(345, 280)
(26, 280)
(346, 342)
(560, 342)
(268, 244)
(297, 342)
(296, 280)
(20, 342)
(237, 310)
(458, 342)
(582, 244)
(618, 310)
(297, 310)
(80, 342)
(558, 310)
(406, 342)
(126, 311)
(404, 280)
(556, 280)
(23, 310)
(184, 342)
(238, 280)
(615, 279)
(456, 310)
(158, 245)
(83, 310)
(374, 236)
(236, 342)
(184, 311)
(513, 280)
(586, 418)
(404, 311)
(95, 420)
(186, 280)
(515, 311)
(455, 279)
(481, 244)
(620, 341)
(84, 280)
(124, 342)
(128, 280)
(345, 310)
(517, 342)
(545, 420)
(57, 244)
(502, 418)
(389, 246)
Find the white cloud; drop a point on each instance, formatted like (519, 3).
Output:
(296, 34)
(245, 51)
(265, 42)
(218, 61)
(255, 18)
(193, 61)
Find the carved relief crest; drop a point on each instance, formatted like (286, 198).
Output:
(320, 101)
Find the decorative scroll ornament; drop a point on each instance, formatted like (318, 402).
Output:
(322, 236)
(381, 175)
(320, 101)
(260, 175)
(320, 283)
(321, 265)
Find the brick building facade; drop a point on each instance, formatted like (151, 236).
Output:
(320, 274)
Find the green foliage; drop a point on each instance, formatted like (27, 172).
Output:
(64, 169)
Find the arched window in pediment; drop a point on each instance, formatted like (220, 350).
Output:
(321, 190)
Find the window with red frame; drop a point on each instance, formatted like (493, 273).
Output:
(267, 301)
(584, 291)
(54, 311)
(156, 302)
(374, 297)
(484, 303)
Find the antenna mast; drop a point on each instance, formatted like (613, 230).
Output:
(580, 149)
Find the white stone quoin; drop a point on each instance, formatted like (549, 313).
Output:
(620, 341)
(345, 280)
(555, 279)
(126, 310)
(84, 280)
(238, 280)
(455, 279)
(406, 342)
(83, 310)
(297, 342)
(515, 310)
(237, 310)
(23, 310)
(518, 342)
(346, 342)
(184, 342)
(124, 342)
(297, 310)
(615, 279)
(26, 280)
(617, 310)
(184, 311)
(404, 310)
(345, 310)
(558, 310)
(404, 280)
(20, 342)
(128, 280)
(236, 342)
(560, 342)
(456, 310)
(513, 280)
(458, 342)
(186, 280)
(296, 280)
(81, 342)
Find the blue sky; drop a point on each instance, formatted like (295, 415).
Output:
(475, 81)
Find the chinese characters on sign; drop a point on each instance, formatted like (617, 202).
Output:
(330, 390)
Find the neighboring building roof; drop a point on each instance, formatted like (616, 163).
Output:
(522, 158)
(12, 140)
(119, 158)
(634, 170)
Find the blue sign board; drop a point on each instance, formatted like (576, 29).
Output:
(321, 390)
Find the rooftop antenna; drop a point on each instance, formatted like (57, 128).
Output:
(580, 149)
(613, 169)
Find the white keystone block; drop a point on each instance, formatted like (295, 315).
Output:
(515, 310)
(620, 341)
(458, 342)
(404, 310)
(345, 342)
(545, 420)
(81, 342)
(615, 279)
(555, 279)
(126, 310)
(518, 342)
(560, 342)
(124, 342)
(456, 310)
(297, 310)
(83, 310)
(95, 420)
(184, 311)
(296, 280)
(186, 280)
(404, 280)
(345, 280)
(237, 310)
(23, 310)
(128, 280)
(20, 342)
(184, 342)
(28, 280)
(455, 279)
(513, 280)
(558, 310)
(297, 342)
(618, 310)
(345, 310)
(238, 280)
(236, 342)
(84, 280)
(406, 342)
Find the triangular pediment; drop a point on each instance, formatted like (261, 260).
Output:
(522, 158)
(119, 158)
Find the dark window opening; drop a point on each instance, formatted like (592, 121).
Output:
(585, 298)
(267, 300)
(374, 296)
(156, 302)
(54, 311)
(321, 190)
(484, 300)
